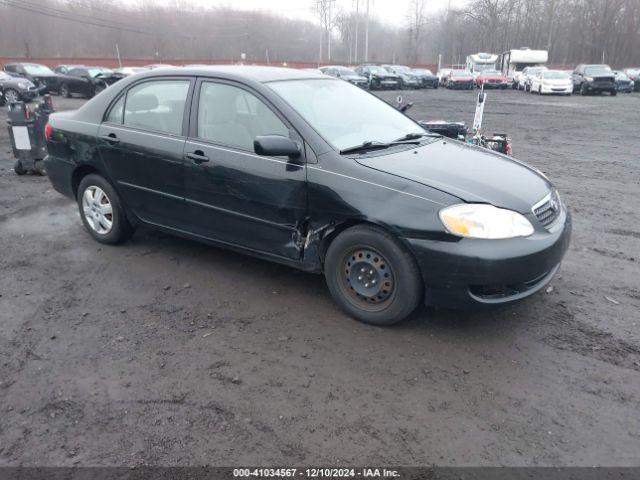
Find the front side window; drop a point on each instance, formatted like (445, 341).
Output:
(343, 114)
(232, 116)
(157, 105)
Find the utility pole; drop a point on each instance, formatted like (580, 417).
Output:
(355, 48)
(366, 35)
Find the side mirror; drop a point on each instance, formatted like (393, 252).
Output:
(276, 146)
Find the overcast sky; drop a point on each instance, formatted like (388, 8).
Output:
(391, 11)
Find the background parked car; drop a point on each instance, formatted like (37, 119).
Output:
(346, 74)
(378, 77)
(64, 69)
(623, 83)
(491, 79)
(126, 71)
(551, 81)
(460, 79)
(16, 89)
(45, 79)
(425, 77)
(407, 78)
(86, 81)
(594, 79)
(524, 79)
(634, 74)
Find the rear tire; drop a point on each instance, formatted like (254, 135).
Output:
(372, 276)
(18, 168)
(64, 91)
(102, 212)
(614, 93)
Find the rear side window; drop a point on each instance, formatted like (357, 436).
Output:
(157, 105)
(232, 116)
(115, 114)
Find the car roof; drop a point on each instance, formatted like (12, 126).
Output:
(241, 72)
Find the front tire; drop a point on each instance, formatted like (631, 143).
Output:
(372, 276)
(11, 96)
(102, 211)
(64, 91)
(18, 168)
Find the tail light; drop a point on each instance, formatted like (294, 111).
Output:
(508, 150)
(47, 131)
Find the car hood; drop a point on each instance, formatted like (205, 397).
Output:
(471, 173)
(492, 77)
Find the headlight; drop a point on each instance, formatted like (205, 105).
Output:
(589, 79)
(23, 85)
(484, 221)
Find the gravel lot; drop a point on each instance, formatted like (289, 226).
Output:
(165, 351)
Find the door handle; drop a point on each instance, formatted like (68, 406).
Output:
(111, 138)
(198, 156)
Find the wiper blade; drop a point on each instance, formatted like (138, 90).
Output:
(366, 146)
(369, 145)
(415, 136)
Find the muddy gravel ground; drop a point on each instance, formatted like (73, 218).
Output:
(165, 351)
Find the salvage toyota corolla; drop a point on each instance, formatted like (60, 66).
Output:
(309, 171)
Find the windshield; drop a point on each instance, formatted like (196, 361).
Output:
(94, 72)
(343, 114)
(484, 67)
(535, 70)
(421, 71)
(345, 71)
(555, 74)
(460, 73)
(633, 71)
(402, 69)
(378, 70)
(33, 69)
(491, 72)
(597, 70)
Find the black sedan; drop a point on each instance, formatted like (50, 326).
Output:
(45, 79)
(312, 172)
(86, 81)
(345, 74)
(15, 89)
(426, 78)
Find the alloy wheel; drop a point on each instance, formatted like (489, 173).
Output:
(11, 96)
(97, 210)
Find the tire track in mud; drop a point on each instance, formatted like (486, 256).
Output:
(591, 342)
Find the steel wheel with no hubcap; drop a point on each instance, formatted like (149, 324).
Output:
(97, 210)
(367, 279)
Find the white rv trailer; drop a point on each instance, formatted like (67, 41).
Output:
(513, 62)
(479, 62)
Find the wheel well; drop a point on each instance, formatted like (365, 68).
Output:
(341, 227)
(78, 174)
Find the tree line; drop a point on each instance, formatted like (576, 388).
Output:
(572, 30)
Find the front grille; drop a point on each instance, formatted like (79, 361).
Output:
(548, 210)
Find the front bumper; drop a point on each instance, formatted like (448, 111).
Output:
(473, 273)
(461, 85)
(600, 87)
(29, 93)
(556, 89)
